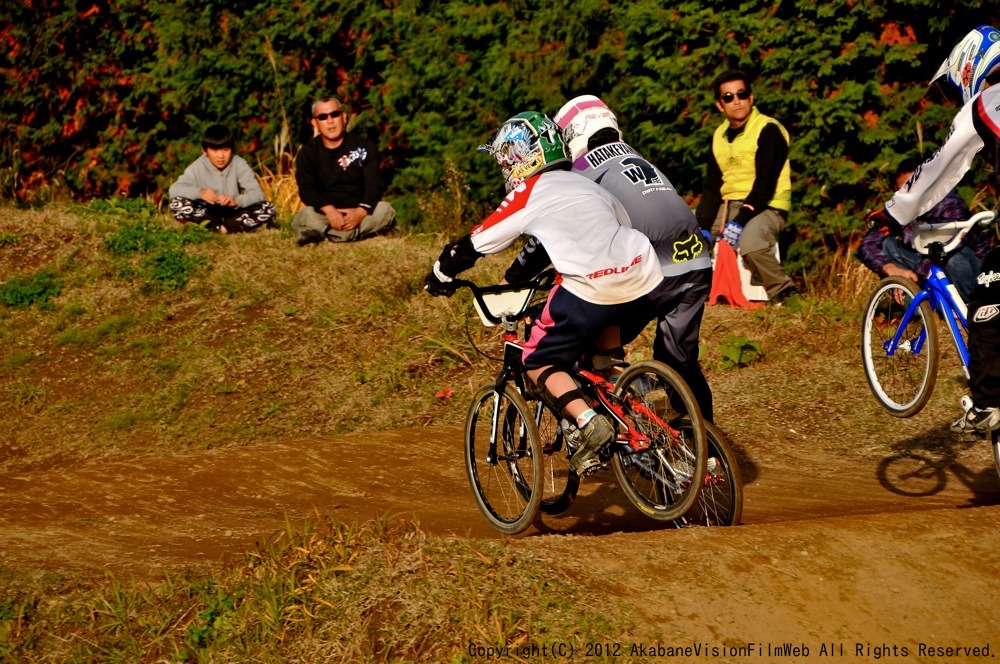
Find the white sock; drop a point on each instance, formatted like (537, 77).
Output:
(585, 417)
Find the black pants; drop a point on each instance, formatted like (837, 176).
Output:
(984, 334)
(233, 219)
(679, 305)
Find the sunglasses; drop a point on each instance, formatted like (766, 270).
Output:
(729, 96)
(337, 114)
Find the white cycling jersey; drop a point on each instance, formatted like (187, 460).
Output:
(585, 232)
(937, 176)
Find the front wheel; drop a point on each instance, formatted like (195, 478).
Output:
(902, 382)
(503, 458)
(664, 479)
(720, 502)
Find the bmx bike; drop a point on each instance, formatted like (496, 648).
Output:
(670, 464)
(899, 335)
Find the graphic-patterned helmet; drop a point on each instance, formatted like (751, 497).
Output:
(524, 145)
(582, 117)
(971, 61)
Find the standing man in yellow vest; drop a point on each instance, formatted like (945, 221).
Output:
(748, 186)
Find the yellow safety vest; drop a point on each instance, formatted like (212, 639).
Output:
(736, 160)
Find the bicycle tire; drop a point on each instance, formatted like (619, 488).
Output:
(559, 483)
(996, 450)
(507, 489)
(903, 383)
(661, 481)
(720, 502)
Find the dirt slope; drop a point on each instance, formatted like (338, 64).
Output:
(833, 554)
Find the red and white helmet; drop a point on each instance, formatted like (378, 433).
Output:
(582, 117)
(971, 61)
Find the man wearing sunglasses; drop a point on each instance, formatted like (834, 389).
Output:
(747, 192)
(338, 177)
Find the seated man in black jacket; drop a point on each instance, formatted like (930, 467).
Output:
(338, 178)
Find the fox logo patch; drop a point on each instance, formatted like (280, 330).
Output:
(688, 248)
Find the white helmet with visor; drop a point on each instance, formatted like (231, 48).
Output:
(972, 61)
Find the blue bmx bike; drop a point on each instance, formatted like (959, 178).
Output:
(899, 336)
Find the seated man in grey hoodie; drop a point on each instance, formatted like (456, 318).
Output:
(219, 189)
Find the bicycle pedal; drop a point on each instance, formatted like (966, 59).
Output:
(590, 468)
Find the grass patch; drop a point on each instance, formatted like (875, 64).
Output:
(383, 590)
(151, 236)
(38, 289)
(171, 269)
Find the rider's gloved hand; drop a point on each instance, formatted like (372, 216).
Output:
(881, 219)
(437, 283)
(731, 234)
(706, 235)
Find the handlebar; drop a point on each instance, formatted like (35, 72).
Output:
(926, 234)
(498, 310)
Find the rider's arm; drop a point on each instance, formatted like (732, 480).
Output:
(950, 208)
(870, 251)
(937, 176)
(529, 263)
(772, 153)
(492, 235)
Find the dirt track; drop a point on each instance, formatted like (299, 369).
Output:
(831, 552)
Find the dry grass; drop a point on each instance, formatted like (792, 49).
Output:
(841, 277)
(269, 342)
(379, 591)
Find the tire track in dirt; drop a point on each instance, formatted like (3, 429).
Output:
(833, 553)
(144, 516)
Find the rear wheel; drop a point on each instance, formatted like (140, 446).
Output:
(662, 480)
(506, 478)
(902, 382)
(720, 502)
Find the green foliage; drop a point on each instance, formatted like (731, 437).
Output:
(112, 99)
(171, 269)
(738, 352)
(127, 208)
(9, 239)
(214, 622)
(165, 265)
(38, 288)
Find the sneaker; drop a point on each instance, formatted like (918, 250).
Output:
(593, 437)
(308, 236)
(979, 420)
(392, 231)
(788, 297)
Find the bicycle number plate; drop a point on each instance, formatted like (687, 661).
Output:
(503, 304)
(926, 234)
